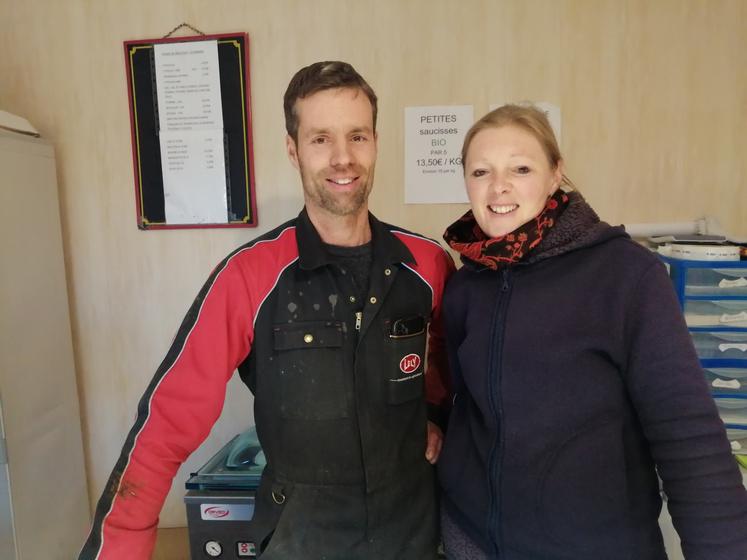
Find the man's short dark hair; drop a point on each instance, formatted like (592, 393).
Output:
(321, 76)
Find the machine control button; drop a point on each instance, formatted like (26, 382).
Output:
(246, 550)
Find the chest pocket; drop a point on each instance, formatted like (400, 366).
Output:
(310, 370)
(406, 338)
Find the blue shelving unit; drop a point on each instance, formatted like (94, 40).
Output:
(713, 297)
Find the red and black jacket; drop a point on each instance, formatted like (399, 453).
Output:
(338, 394)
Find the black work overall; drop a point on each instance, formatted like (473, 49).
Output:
(340, 411)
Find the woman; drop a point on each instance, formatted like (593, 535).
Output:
(574, 374)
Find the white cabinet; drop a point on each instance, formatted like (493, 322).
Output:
(43, 494)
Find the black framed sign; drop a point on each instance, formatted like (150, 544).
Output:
(190, 115)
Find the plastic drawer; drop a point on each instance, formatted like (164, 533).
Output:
(725, 381)
(721, 344)
(716, 281)
(732, 409)
(728, 373)
(719, 313)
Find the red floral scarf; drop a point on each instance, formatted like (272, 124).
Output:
(466, 237)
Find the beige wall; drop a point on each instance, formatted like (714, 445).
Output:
(653, 96)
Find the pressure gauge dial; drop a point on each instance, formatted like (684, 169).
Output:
(213, 549)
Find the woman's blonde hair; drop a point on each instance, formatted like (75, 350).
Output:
(527, 117)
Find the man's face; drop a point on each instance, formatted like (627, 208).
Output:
(336, 150)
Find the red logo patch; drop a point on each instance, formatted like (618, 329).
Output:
(216, 512)
(409, 363)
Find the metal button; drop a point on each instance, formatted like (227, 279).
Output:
(372, 300)
(308, 338)
(352, 299)
(387, 271)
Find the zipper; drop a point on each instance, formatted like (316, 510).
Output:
(494, 377)
(358, 320)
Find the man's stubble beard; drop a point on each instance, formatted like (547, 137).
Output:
(342, 205)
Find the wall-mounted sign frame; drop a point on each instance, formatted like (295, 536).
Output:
(192, 147)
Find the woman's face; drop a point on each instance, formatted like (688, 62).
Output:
(508, 178)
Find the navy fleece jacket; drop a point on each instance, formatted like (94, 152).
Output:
(576, 380)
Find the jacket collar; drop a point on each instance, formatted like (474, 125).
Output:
(387, 248)
(577, 227)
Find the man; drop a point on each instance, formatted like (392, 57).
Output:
(326, 319)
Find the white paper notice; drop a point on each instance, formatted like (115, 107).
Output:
(433, 146)
(188, 86)
(551, 110)
(191, 132)
(194, 177)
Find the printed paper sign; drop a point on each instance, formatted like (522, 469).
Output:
(433, 145)
(194, 177)
(188, 86)
(191, 132)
